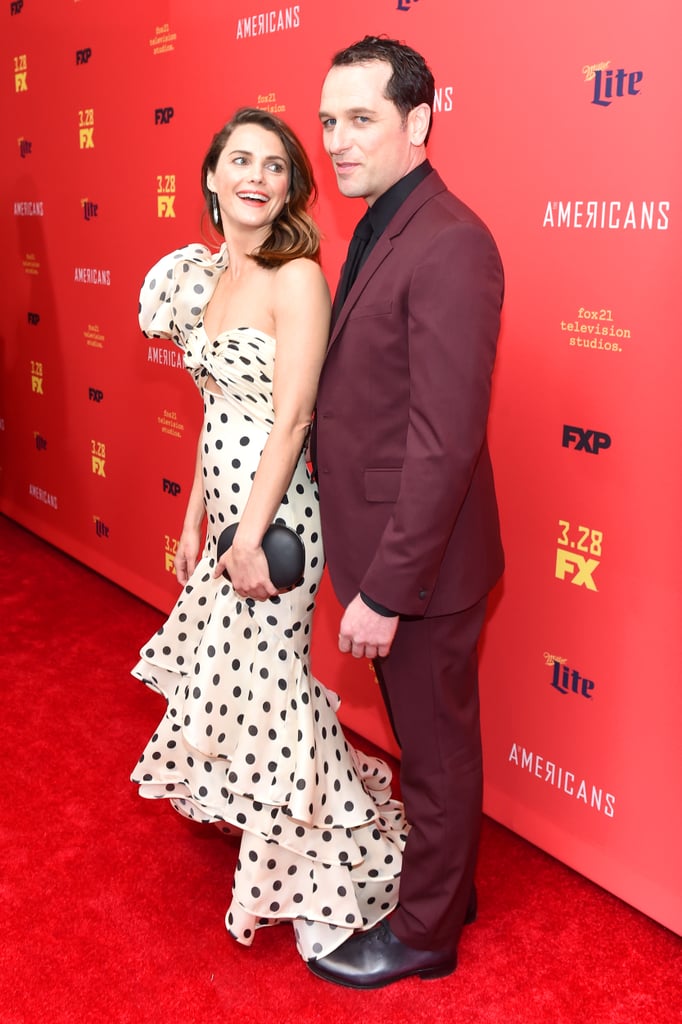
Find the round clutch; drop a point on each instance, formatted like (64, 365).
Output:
(283, 550)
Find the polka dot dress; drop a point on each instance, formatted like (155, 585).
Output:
(250, 740)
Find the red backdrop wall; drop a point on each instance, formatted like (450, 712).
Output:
(561, 127)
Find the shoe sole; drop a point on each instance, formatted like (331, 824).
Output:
(425, 974)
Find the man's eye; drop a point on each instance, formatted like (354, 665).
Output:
(329, 122)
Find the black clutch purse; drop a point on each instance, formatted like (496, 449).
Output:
(283, 550)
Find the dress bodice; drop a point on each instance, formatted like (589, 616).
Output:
(173, 300)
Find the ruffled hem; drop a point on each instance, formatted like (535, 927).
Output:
(322, 838)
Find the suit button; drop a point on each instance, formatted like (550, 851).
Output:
(422, 595)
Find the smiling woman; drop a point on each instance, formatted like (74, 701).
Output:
(257, 158)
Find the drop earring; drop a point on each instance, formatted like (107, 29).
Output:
(215, 209)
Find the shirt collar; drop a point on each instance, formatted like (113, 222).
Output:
(381, 213)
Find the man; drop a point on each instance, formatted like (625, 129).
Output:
(409, 514)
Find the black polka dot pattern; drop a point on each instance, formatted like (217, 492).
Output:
(250, 740)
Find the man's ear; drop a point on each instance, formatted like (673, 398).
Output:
(418, 121)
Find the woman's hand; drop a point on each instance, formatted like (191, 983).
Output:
(187, 554)
(248, 572)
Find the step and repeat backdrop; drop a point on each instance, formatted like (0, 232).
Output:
(560, 126)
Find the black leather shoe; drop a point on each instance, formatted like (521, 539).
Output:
(376, 958)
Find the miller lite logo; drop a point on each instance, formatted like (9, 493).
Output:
(568, 680)
(89, 209)
(610, 83)
(25, 148)
(163, 115)
(33, 319)
(15, 7)
(101, 528)
(171, 487)
(83, 56)
(405, 5)
(41, 443)
(95, 395)
(590, 441)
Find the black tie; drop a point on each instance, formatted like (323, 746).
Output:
(357, 253)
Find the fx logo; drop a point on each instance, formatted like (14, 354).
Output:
(604, 82)
(169, 562)
(579, 569)
(95, 395)
(163, 115)
(170, 487)
(85, 138)
(165, 206)
(591, 441)
(33, 319)
(98, 465)
(41, 443)
(25, 148)
(37, 384)
(15, 6)
(83, 56)
(567, 680)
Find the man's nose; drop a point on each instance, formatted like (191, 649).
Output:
(338, 140)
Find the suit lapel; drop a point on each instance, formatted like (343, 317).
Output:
(427, 189)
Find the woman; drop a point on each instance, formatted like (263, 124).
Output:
(250, 741)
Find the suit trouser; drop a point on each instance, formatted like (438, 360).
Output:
(430, 685)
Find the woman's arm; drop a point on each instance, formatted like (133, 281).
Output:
(301, 306)
(190, 539)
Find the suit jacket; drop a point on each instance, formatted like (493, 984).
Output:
(408, 505)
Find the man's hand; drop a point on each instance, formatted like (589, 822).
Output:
(364, 633)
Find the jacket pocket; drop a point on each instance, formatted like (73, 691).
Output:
(382, 307)
(382, 484)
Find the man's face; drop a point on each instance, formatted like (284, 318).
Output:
(370, 145)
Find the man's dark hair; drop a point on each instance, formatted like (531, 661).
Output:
(411, 82)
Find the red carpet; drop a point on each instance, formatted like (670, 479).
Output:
(112, 907)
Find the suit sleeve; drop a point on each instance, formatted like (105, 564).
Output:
(454, 301)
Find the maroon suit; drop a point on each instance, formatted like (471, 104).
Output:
(409, 517)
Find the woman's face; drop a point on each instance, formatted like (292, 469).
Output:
(251, 177)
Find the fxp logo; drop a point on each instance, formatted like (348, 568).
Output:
(163, 115)
(590, 441)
